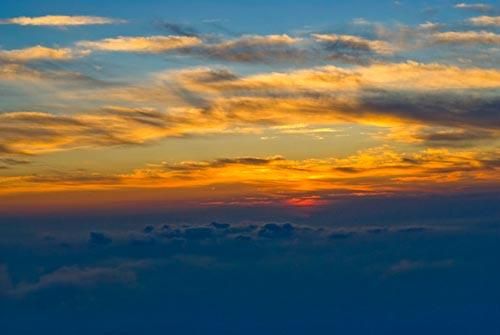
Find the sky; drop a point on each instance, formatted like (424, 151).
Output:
(260, 166)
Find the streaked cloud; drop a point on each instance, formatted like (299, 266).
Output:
(474, 6)
(150, 44)
(84, 277)
(253, 48)
(355, 43)
(374, 171)
(60, 20)
(39, 52)
(203, 101)
(467, 37)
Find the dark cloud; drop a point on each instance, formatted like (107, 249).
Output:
(412, 229)
(97, 238)
(351, 49)
(148, 229)
(445, 109)
(221, 162)
(218, 225)
(456, 137)
(341, 235)
(273, 230)
(198, 233)
(178, 29)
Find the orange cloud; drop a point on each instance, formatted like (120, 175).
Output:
(376, 170)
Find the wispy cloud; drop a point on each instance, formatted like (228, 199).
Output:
(474, 6)
(39, 52)
(355, 43)
(149, 44)
(467, 37)
(215, 101)
(60, 20)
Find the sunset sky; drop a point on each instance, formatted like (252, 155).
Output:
(334, 114)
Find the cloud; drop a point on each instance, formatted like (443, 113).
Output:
(218, 225)
(455, 137)
(82, 277)
(214, 101)
(485, 21)
(247, 48)
(466, 37)
(59, 20)
(341, 43)
(38, 53)
(273, 230)
(410, 266)
(198, 233)
(474, 6)
(140, 44)
(36, 132)
(179, 29)
(220, 163)
(96, 238)
(253, 48)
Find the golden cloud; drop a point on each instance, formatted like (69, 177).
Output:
(39, 53)
(150, 44)
(462, 101)
(371, 171)
(468, 37)
(59, 20)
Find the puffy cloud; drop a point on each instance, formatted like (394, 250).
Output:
(485, 20)
(59, 20)
(140, 44)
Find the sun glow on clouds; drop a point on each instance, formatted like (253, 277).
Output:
(433, 125)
